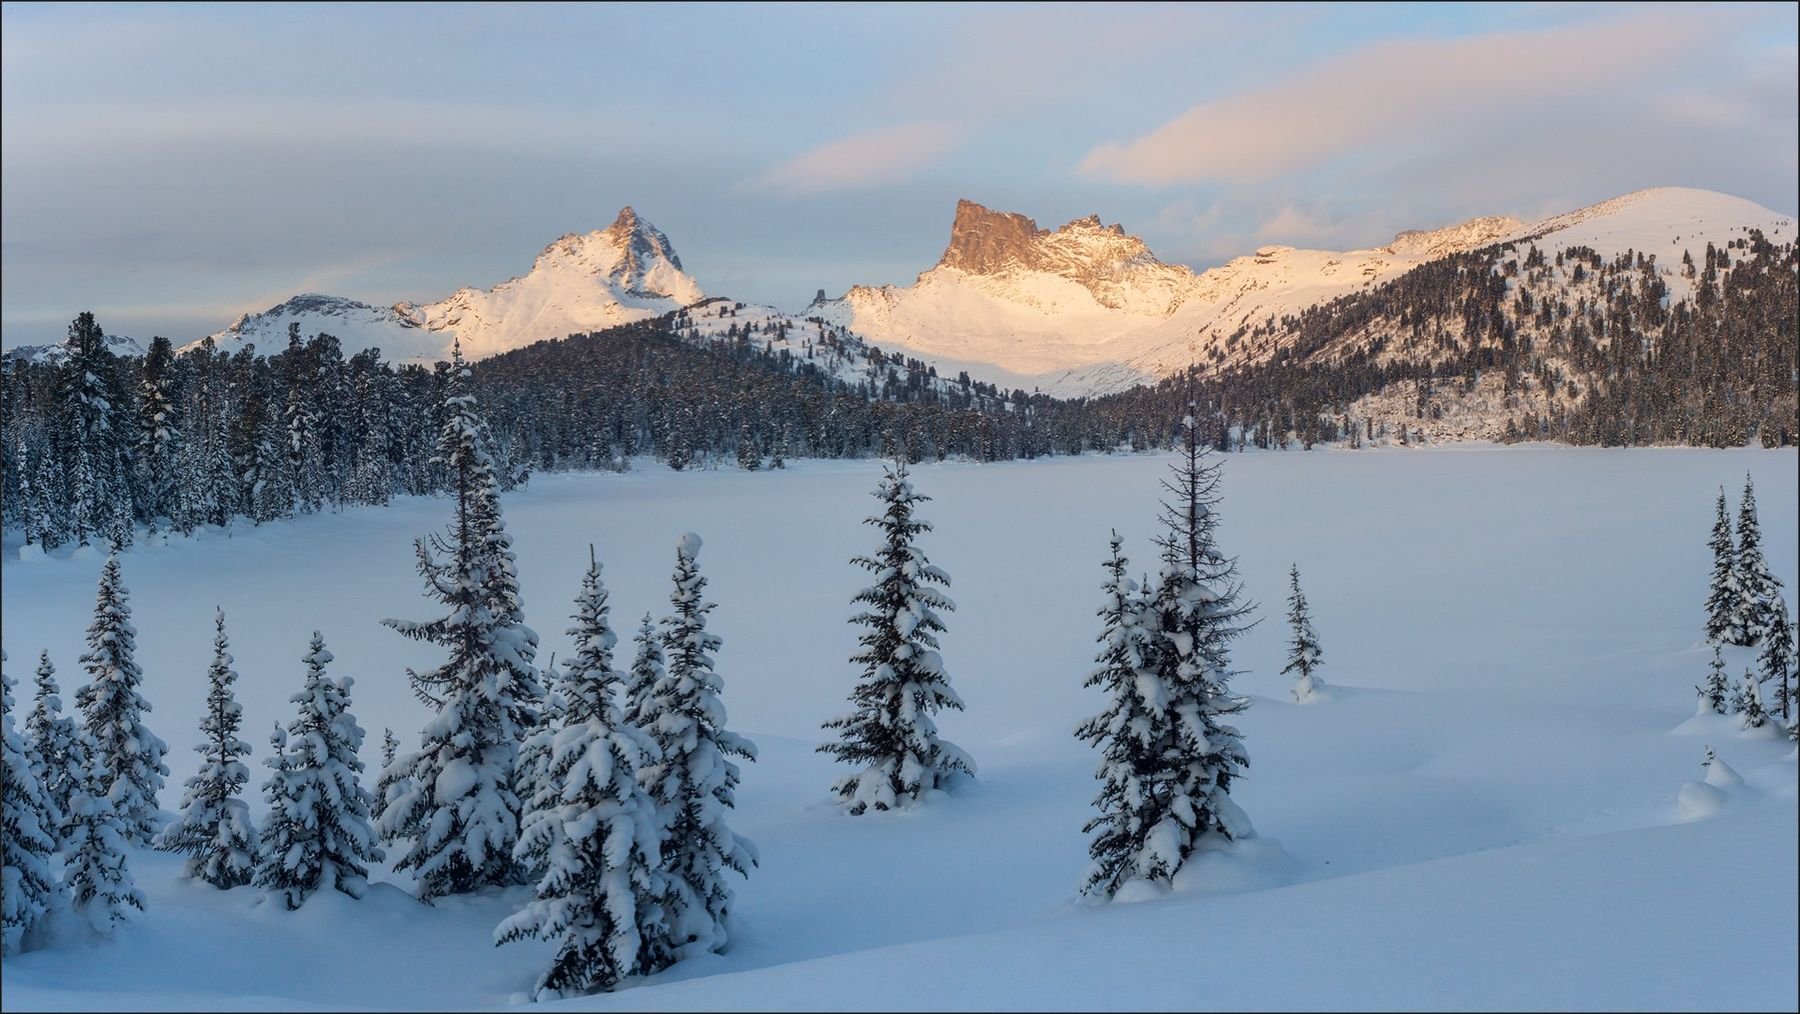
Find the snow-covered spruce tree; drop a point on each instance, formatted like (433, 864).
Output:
(592, 827)
(1129, 732)
(158, 438)
(128, 756)
(514, 644)
(1775, 663)
(646, 670)
(318, 833)
(95, 872)
(214, 831)
(455, 798)
(50, 738)
(1747, 700)
(1196, 611)
(390, 747)
(694, 781)
(1757, 587)
(28, 890)
(90, 404)
(890, 735)
(1304, 654)
(1722, 590)
(1715, 692)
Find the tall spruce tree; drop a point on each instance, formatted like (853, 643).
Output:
(592, 827)
(1715, 692)
(514, 644)
(1775, 663)
(1757, 587)
(694, 781)
(1304, 654)
(890, 735)
(1722, 590)
(214, 830)
(95, 870)
(646, 670)
(1196, 611)
(129, 757)
(1129, 732)
(318, 833)
(455, 798)
(28, 890)
(158, 438)
(92, 412)
(51, 742)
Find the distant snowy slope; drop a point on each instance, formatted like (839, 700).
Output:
(1664, 221)
(357, 326)
(118, 343)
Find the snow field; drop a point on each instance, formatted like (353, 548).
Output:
(1485, 812)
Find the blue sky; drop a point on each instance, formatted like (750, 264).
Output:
(172, 167)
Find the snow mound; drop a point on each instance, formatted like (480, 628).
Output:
(1698, 800)
(1221, 866)
(1721, 775)
(688, 545)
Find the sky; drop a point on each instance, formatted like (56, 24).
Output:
(172, 167)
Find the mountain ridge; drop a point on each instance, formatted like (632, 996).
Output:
(1084, 308)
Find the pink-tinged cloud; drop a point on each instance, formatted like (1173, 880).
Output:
(1391, 98)
(872, 158)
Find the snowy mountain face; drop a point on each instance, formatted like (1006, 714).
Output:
(54, 355)
(582, 282)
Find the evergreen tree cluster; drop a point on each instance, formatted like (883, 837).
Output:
(1745, 609)
(88, 789)
(1168, 758)
(99, 448)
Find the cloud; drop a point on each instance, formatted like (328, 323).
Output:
(1390, 99)
(1294, 224)
(868, 159)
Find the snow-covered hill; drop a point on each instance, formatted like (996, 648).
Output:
(54, 354)
(356, 325)
(1664, 221)
(1087, 309)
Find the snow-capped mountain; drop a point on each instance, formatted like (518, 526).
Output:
(582, 282)
(627, 271)
(1088, 309)
(55, 354)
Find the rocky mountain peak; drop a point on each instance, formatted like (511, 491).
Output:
(983, 241)
(641, 241)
